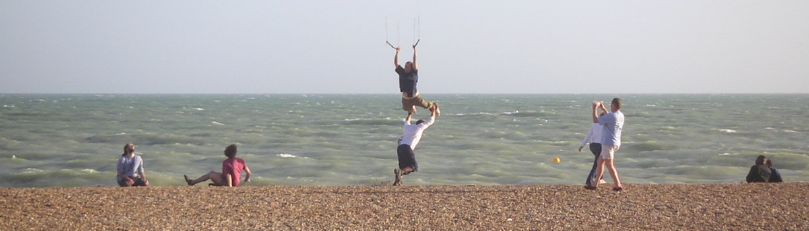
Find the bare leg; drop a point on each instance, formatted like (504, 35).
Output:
(614, 173)
(213, 176)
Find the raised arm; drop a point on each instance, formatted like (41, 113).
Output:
(595, 112)
(415, 64)
(396, 59)
(409, 116)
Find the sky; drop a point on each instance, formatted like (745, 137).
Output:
(333, 46)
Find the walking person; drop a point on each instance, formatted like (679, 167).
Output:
(130, 169)
(410, 138)
(594, 140)
(612, 124)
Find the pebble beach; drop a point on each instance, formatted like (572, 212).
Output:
(469, 207)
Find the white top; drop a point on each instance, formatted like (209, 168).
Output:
(594, 136)
(412, 132)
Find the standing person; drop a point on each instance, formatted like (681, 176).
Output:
(775, 177)
(594, 139)
(408, 79)
(612, 124)
(130, 168)
(410, 138)
(759, 172)
(231, 174)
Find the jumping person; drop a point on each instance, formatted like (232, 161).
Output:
(612, 123)
(410, 138)
(231, 174)
(594, 139)
(408, 79)
(130, 169)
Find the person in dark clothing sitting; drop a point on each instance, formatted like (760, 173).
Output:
(775, 177)
(759, 172)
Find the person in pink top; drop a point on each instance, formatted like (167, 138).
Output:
(231, 174)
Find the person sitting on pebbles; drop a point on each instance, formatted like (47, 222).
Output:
(231, 174)
(759, 172)
(130, 168)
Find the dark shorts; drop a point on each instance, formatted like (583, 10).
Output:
(407, 158)
(138, 182)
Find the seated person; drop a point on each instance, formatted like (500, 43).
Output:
(130, 169)
(231, 174)
(775, 177)
(759, 172)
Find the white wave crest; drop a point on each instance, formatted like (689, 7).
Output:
(727, 130)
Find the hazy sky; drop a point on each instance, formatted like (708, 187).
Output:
(693, 46)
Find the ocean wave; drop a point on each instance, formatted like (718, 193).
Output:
(645, 147)
(518, 113)
(729, 131)
(146, 139)
(291, 156)
(359, 121)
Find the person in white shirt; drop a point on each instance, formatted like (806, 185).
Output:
(594, 139)
(410, 138)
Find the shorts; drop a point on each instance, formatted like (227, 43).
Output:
(608, 151)
(407, 158)
(138, 182)
(408, 103)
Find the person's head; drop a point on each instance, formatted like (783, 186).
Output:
(230, 151)
(761, 159)
(129, 149)
(615, 105)
(408, 66)
(768, 162)
(419, 122)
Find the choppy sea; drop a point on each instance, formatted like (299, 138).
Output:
(295, 139)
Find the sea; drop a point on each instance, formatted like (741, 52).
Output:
(322, 139)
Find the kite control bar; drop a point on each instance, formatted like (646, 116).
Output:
(391, 45)
(417, 43)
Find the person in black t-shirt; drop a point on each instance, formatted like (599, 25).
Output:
(408, 79)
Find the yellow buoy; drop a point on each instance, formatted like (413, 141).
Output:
(557, 160)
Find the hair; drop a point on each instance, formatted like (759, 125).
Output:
(231, 150)
(768, 162)
(420, 122)
(760, 159)
(126, 148)
(617, 102)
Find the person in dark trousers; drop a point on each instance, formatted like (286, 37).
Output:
(759, 172)
(594, 140)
